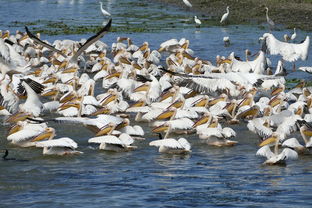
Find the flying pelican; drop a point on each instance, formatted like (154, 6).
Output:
(225, 16)
(197, 21)
(33, 104)
(275, 158)
(60, 146)
(73, 59)
(11, 61)
(290, 52)
(104, 12)
(269, 21)
(187, 3)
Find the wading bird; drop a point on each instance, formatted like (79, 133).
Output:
(225, 15)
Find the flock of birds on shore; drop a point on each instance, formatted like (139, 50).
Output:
(182, 95)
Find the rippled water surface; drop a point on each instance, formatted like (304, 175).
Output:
(208, 177)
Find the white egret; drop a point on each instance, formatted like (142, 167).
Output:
(197, 21)
(225, 16)
(269, 21)
(104, 12)
(294, 35)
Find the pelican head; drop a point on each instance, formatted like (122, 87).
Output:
(48, 133)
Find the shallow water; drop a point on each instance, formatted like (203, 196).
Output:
(208, 177)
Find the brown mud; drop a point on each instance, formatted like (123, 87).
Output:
(284, 13)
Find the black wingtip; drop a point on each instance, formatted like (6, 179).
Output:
(109, 24)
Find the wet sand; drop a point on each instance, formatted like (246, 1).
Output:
(285, 14)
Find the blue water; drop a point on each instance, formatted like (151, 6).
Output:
(208, 177)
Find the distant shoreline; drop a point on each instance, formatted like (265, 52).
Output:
(285, 14)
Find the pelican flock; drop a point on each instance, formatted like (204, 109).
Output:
(171, 89)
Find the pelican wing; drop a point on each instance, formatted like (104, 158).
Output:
(4, 52)
(288, 125)
(35, 86)
(186, 113)
(256, 126)
(126, 139)
(61, 142)
(291, 143)
(109, 139)
(306, 69)
(184, 143)
(143, 109)
(51, 106)
(228, 132)
(91, 40)
(181, 124)
(265, 151)
(289, 51)
(23, 135)
(38, 41)
(209, 132)
(289, 154)
(169, 143)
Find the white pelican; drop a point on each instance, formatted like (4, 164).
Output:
(197, 21)
(113, 143)
(290, 52)
(307, 69)
(60, 146)
(22, 133)
(225, 16)
(275, 158)
(217, 136)
(269, 21)
(187, 3)
(306, 133)
(173, 146)
(33, 104)
(11, 61)
(294, 144)
(104, 12)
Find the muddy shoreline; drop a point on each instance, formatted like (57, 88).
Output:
(285, 14)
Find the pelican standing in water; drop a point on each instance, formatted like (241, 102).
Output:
(225, 16)
(269, 21)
